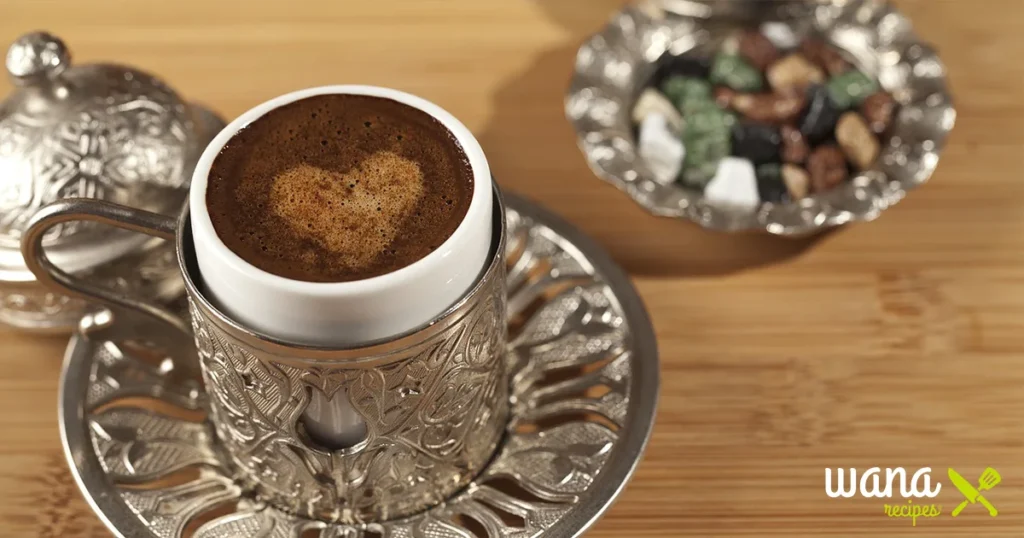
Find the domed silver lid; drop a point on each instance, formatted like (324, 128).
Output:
(99, 131)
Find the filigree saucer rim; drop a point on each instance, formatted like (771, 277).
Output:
(620, 471)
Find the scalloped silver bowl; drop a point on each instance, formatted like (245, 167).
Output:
(613, 66)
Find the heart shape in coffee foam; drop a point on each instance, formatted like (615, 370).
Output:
(355, 214)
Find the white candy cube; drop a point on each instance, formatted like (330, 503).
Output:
(781, 34)
(734, 185)
(661, 149)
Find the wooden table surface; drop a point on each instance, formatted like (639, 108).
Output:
(898, 343)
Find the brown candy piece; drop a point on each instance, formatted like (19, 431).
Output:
(758, 49)
(824, 55)
(827, 168)
(794, 145)
(878, 110)
(857, 140)
(769, 107)
(797, 181)
(794, 74)
(724, 96)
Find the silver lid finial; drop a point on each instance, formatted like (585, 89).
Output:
(36, 57)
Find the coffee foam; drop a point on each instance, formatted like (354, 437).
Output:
(334, 188)
(355, 215)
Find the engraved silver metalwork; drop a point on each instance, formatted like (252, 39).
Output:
(583, 394)
(434, 401)
(97, 131)
(612, 66)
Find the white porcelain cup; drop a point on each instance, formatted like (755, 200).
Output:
(344, 314)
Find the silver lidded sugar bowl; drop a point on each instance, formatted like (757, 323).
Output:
(99, 131)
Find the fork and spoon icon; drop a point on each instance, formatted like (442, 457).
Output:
(989, 479)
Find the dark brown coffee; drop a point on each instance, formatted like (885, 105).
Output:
(334, 188)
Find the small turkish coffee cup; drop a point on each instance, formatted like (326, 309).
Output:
(346, 402)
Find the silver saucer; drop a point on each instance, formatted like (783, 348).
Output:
(585, 386)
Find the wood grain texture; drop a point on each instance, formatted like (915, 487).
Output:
(896, 343)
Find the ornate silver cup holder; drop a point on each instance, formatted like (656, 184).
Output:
(584, 388)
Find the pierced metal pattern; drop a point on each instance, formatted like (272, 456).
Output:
(166, 511)
(117, 374)
(434, 413)
(611, 66)
(137, 445)
(569, 447)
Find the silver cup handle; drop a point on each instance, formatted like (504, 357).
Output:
(157, 324)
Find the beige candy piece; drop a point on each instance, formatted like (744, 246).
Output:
(731, 45)
(797, 181)
(654, 102)
(857, 140)
(793, 74)
(769, 107)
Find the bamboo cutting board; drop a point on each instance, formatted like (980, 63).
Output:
(898, 343)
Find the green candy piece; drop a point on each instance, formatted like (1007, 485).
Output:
(851, 88)
(703, 153)
(734, 72)
(696, 106)
(706, 118)
(681, 89)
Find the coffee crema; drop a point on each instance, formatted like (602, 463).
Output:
(336, 187)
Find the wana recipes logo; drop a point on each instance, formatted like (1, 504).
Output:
(899, 483)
